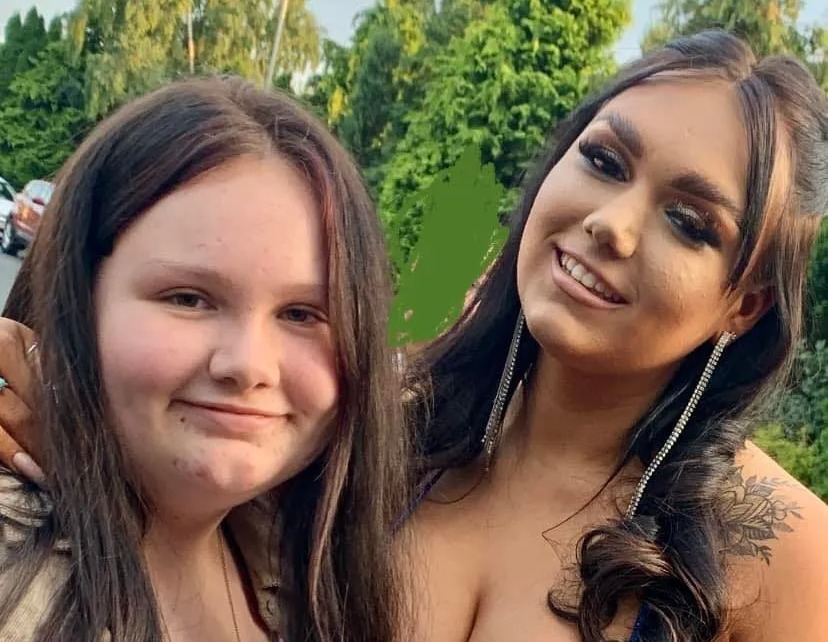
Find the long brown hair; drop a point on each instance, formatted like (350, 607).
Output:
(336, 515)
(669, 555)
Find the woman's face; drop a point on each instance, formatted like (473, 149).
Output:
(625, 259)
(217, 355)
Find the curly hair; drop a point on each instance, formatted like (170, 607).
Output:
(669, 556)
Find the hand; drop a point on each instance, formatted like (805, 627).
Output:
(19, 369)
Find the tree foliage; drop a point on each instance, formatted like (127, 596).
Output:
(24, 39)
(367, 91)
(770, 26)
(134, 45)
(516, 69)
(56, 82)
(819, 287)
(42, 106)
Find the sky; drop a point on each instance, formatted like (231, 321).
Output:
(336, 16)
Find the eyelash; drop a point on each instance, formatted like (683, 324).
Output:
(174, 298)
(599, 156)
(697, 226)
(311, 315)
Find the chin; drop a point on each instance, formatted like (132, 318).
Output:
(566, 340)
(232, 471)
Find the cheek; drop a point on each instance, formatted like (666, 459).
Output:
(145, 356)
(683, 290)
(562, 202)
(309, 378)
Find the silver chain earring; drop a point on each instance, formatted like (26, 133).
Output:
(724, 340)
(494, 426)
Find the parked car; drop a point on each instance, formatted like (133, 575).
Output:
(7, 195)
(25, 217)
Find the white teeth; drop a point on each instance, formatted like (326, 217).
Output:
(587, 278)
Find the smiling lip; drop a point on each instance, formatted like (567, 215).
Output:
(231, 419)
(577, 290)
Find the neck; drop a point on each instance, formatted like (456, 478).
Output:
(185, 565)
(183, 541)
(582, 417)
(181, 552)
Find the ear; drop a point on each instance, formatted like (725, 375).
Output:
(747, 309)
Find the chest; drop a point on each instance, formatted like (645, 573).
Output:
(491, 562)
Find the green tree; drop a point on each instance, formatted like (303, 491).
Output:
(376, 92)
(819, 287)
(365, 91)
(236, 36)
(127, 45)
(436, 272)
(805, 407)
(10, 51)
(819, 471)
(326, 90)
(42, 116)
(770, 26)
(24, 39)
(502, 84)
(798, 455)
(133, 46)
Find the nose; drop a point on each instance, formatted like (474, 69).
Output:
(246, 356)
(616, 225)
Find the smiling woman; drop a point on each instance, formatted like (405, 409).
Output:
(220, 365)
(219, 416)
(585, 458)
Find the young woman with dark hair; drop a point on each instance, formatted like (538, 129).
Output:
(219, 416)
(648, 301)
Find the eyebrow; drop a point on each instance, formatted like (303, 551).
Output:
(194, 272)
(691, 182)
(625, 131)
(315, 291)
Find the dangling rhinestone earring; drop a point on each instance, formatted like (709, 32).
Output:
(721, 344)
(491, 436)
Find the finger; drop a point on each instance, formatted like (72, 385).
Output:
(8, 448)
(16, 366)
(27, 467)
(16, 426)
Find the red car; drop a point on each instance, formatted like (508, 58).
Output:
(22, 225)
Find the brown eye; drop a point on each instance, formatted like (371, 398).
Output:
(694, 225)
(604, 160)
(302, 315)
(191, 300)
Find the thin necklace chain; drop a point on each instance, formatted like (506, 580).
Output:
(226, 588)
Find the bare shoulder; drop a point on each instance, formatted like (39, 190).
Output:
(776, 546)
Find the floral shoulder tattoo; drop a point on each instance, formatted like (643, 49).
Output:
(755, 513)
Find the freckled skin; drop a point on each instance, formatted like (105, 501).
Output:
(244, 335)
